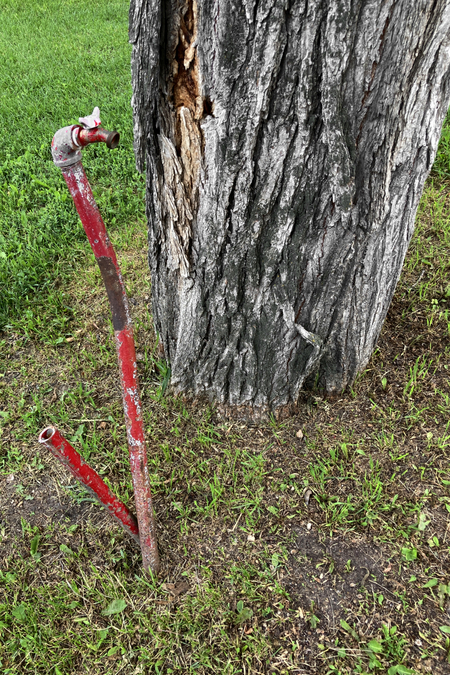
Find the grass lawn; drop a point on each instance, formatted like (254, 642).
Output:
(317, 544)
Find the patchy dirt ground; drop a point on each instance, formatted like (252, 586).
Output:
(313, 544)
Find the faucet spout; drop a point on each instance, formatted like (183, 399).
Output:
(67, 141)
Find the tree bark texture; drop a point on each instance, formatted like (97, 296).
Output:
(286, 144)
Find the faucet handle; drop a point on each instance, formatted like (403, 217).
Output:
(91, 121)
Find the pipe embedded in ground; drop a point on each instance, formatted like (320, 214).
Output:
(73, 461)
(67, 155)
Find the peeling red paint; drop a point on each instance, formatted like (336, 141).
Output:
(67, 155)
(67, 455)
(83, 137)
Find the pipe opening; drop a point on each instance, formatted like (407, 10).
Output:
(46, 435)
(112, 140)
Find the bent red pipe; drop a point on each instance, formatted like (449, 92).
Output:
(67, 455)
(67, 155)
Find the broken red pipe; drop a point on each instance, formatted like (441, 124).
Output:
(62, 450)
(67, 155)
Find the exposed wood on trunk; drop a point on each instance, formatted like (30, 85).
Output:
(181, 140)
(287, 145)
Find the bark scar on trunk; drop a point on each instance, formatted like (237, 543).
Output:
(182, 156)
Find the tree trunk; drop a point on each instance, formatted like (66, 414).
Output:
(286, 145)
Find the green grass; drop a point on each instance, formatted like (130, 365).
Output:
(441, 167)
(59, 60)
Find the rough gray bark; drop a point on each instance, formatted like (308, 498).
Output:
(286, 145)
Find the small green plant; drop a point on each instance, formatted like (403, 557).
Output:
(34, 543)
(312, 618)
(409, 554)
(244, 614)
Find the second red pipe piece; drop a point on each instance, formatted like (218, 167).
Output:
(67, 455)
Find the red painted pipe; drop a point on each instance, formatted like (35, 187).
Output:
(62, 450)
(97, 135)
(67, 155)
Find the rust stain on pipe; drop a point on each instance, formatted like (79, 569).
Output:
(114, 291)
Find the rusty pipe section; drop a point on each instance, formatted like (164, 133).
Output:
(67, 455)
(83, 137)
(66, 152)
